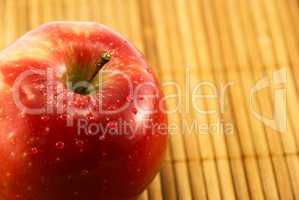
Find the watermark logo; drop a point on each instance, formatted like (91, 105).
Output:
(203, 99)
(278, 121)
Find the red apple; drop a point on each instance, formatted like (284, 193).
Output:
(63, 140)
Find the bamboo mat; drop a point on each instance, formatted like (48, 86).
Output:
(220, 41)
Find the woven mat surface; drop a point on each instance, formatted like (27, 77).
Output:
(239, 50)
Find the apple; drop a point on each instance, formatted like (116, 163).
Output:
(82, 116)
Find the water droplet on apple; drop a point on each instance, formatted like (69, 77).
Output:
(22, 114)
(29, 188)
(58, 159)
(11, 138)
(8, 118)
(31, 140)
(138, 170)
(84, 172)
(64, 116)
(10, 75)
(8, 174)
(47, 129)
(112, 124)
(12, 155)
(90, 117)
(69, 177)
(45, 118)
(103, 154)
(113, 107)
(129, 98)
(25, 154)
(59, 145)
(34, 150)
(11, 135)
(134, 110)
(79, 143)
(102, 137)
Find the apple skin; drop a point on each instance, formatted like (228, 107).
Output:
(44, 158)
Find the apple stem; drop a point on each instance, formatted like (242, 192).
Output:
(105, 57)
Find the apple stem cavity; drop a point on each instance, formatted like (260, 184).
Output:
(105, 58)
